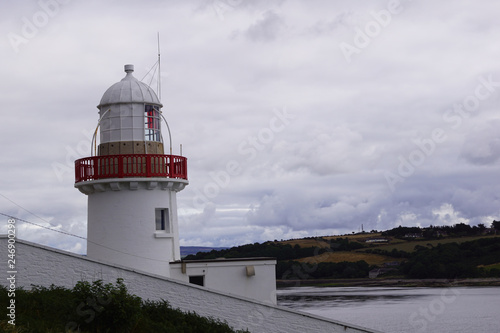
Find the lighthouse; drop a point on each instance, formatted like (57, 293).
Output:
(130, 182)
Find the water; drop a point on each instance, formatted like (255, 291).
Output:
(399, 310)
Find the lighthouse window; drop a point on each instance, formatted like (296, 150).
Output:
(152, 123)
(162, 219)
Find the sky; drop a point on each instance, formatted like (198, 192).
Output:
(298, 118)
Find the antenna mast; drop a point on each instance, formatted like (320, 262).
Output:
(159, 68)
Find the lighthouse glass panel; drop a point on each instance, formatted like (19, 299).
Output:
(152, 123)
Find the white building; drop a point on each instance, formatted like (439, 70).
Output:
(132, 188)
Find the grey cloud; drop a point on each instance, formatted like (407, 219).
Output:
(343, 19)
(482, 146)
(266, 29)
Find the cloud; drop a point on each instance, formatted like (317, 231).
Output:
(266, 29)
(482, 144)
(225, 73)
(343, 19)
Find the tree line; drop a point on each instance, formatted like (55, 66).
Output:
(454, 260)
(436, 232)
(294, 270)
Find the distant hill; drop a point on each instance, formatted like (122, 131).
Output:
(458, 251)
(187, 250)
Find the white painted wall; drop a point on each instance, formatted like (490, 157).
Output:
(44, 266)
(230, 276)
(121, 222)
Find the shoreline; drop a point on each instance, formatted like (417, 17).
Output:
(392, 282)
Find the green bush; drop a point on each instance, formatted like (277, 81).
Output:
(99, 308)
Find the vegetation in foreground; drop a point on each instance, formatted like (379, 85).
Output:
(450, 252)
(98, 307)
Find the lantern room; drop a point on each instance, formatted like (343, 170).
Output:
(130, 114)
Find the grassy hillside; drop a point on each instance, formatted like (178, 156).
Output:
(352, 256)
(409, 245)
(307, 242)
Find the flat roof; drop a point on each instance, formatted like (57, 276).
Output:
(223, 260)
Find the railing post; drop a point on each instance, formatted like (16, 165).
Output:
(94, 167)
(165, 166)
(171, 168)
(148, 166)
(77, 169)
(184, 169)
(120, 160)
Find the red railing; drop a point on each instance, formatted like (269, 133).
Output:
(133, 165)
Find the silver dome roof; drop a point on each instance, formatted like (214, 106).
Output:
(129, 90)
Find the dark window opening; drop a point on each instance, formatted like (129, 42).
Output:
(162, 219)
(197, 279)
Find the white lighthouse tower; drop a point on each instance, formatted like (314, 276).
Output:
(131, 183)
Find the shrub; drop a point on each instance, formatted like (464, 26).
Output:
(98, 307)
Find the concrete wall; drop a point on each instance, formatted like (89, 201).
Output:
(231, 276)
(41, 265)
